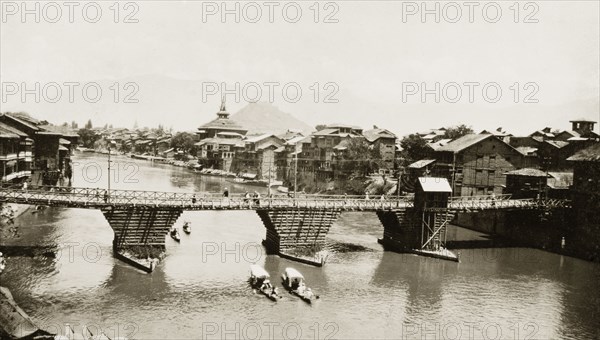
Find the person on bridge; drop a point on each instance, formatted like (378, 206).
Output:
(194, 199)
(226, 193)
(256, 198)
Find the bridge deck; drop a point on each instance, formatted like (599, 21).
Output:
(97, 198)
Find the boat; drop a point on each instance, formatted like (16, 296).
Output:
(175, 234)
(187, 228)
(293, 281)
(259, 280)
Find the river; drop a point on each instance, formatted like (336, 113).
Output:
(200, 289)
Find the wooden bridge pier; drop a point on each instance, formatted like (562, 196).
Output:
(421, 229)
(139, 232)
(298, 233)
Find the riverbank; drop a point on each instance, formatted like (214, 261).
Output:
(12, 210)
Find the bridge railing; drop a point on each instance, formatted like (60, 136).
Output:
(202, 200)
(485, 198)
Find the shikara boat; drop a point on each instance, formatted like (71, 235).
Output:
(293, 281)
(187, 227)
(259, 280)
(175, 234)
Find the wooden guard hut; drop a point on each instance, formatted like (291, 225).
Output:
(432, 192)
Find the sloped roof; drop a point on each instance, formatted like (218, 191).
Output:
(540, 132)
(526, 150)
(529, 172)
(258, 138)
(269, 144)
(21, 121)
(557, 143)
(374, 134)
(582, 120)
(223, 123)
(570, 132)
(290, 134)
(343, 145)
(560, 180)
(294, 140)
(434, 184)
(9, 129)
(439, 143)
(224, 141)
(589, 154)
(345, 126)
(464, 142)
(421, 163)
(325, 132)
(307, 139)
(6, 134)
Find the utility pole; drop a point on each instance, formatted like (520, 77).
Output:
(295, 174)
(108, 192)
(269, 185)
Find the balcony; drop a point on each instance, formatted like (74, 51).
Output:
(8, 157)
(17, 174)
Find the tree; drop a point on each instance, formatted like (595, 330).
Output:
(74, 125)
(184, 141)
(88, 125)
(359, 159)
(88, 138)
(320, 127)
(458, 131)
(414, 148)
(65, 124)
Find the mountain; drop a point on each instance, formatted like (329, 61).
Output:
(263, 117)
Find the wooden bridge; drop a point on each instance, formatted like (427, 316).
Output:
(142, 218)
(91, 198)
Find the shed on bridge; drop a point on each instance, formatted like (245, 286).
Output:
(432, 192)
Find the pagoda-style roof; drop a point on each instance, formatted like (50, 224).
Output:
(223, 122)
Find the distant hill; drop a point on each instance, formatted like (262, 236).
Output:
(263, 117)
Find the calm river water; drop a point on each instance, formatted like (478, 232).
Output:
(200, 289)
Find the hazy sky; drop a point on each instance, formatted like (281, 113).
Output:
(374, 55)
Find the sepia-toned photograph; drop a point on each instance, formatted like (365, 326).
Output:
(299, 170)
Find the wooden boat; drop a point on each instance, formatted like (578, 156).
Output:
(259, 280)
(187, 228)
(293, 281)
(175, 235)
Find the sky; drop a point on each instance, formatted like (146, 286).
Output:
(358, 62)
